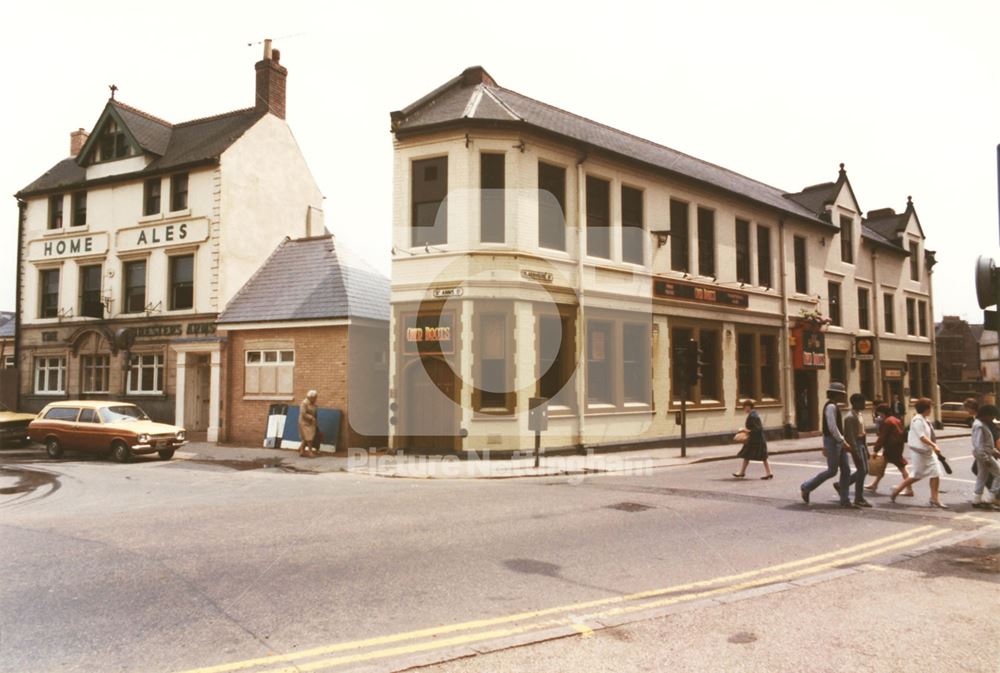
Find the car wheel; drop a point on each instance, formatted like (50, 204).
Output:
(53, 448)
(166, 454)
(120, 452)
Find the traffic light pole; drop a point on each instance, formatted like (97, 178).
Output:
(684, 420)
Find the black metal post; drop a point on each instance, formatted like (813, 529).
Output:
(538, 445)
(684, 420)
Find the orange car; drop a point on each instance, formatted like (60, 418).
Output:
(118, 429)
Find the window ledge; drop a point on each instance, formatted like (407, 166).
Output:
(54, 232)
(175, 214)
(53, 393)
(155, 217)
(78, 228)
(498, 416)
(158, 393)
(615, 411)
(264, 398)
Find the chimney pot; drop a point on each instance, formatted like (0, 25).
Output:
(267, 49)
(77, 139)
(271, 81)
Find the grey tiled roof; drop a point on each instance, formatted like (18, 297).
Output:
(173, 145)
(311, 279)
(474, 95)
(7, 325)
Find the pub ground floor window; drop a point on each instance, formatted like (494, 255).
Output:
(708, 390)
(556, 357)
(146, 374)
(838, 366)
(493, 362)
(95, 373)
(866, 374)
(618, 355)
(50, 375)
(920, 377)
(757, 367)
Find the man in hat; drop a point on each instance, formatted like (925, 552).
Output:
(835, 447)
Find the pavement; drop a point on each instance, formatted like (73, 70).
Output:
(383, 464)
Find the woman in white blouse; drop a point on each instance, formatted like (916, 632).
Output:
(923, 454)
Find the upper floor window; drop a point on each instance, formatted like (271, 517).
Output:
(922, 317)
(598, 217)
(801, 270)
(706, 242)
(846, 239)
(679, 236)
(151, 196)
(428, 191)
(551, 206)
(90, 291)
(764, 256)
(864, 301)
(914, 260)
(834, 301)
(135, 286)
(911, 316)
(56, 211)
(633, 233)
(178, 192)
(181, 282)
(491, 198)
(79, 209)
(889, 308)
(743, 251)
(113, 143)
(48, 301)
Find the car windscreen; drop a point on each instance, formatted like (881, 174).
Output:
(62, 414)
(122, 413)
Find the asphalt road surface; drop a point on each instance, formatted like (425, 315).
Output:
(159, 567)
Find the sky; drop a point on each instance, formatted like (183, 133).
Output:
(906, 94)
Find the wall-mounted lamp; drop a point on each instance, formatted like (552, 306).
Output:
(822, 241)
(153, 308)
(661, 236)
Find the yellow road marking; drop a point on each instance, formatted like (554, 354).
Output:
(584, 630)
(614, 612)
(576, 607)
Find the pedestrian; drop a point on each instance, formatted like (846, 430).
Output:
(308, 430)
(985, 453)
(755, 448)
(891, 438)
(898, 410)
(923, 454)
(971, 405)
(854, 433)
(878, 417)
(834, 446)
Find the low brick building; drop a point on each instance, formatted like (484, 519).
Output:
(312, 317)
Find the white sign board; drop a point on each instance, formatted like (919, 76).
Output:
(159, 235)
(68, 246)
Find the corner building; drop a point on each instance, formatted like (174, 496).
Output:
(541, 254)
(147, 230)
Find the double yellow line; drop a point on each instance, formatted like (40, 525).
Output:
(570, 618)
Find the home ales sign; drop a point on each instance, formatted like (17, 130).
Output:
(157, 235)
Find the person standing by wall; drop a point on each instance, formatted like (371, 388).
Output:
(834, 447)
(923, 455)
(308, 430)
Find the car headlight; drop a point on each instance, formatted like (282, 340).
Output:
(143, 439)
(181, 436)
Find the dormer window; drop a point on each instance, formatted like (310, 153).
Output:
(846, 240)
(113, 143)
(914, 260)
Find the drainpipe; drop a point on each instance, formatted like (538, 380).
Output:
(935, 393)
(581, 324)
(786, 369)
(22, 208)
(876, 312)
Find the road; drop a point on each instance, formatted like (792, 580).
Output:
(202, 568)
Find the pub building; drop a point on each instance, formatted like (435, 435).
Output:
(537, 253)
(131, 246)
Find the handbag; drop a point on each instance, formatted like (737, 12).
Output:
(944, 463)
(741, 437)
(876, 465)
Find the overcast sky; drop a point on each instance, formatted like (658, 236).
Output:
(906, 94)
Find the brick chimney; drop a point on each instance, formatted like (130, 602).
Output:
(271, 76)
(77, 139)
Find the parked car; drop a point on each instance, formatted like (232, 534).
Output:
(955, 413)
(118, 429)
(13, 426)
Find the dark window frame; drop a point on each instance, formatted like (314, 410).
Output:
(598, 203)
(911, 316)
(129, 303)
(78, 217)
(743, 266)
(494, 402)
(633, 225)
(706, 241)
(151, 196)
(922, 317)
(846, 239)
(424, 197)
(56, 219)
(492, 195)
(601, 386)
(90, 300)
(556, 382)
(864, 309)
(800, 255)
(551, 206)
(835, 303)
(759, 378)
(914, 261)
(765, 267)
(680, 235)
(48, 297)
(179, 289)
(712, 370)
(178, 192)
(889, 312)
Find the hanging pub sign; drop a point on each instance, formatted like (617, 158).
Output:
(703, 294)
(864, 348)
(429, 334)
(808, 348)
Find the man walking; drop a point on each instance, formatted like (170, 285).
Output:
(854, 433)
(834, 447)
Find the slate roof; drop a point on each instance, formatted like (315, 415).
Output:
(310, 279)
(475, 96)
(7, 325)
(172, 145)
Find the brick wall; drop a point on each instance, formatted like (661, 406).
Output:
(321, 363)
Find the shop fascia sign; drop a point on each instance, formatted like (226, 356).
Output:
(430, 333)
(158, 235)
(68, 246)
(864, 348)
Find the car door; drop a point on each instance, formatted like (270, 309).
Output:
(62, 425)
(89, 432)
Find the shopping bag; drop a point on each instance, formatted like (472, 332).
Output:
(876, 465)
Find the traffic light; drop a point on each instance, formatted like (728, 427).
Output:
(988, 290)
(693, 362)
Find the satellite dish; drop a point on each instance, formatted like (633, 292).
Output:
(986, 282)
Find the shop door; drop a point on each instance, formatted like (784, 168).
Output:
(806, 401)
(197, 392)
(431, 406)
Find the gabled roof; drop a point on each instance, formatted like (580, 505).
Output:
(7, 324)
(171, 145)
(310, 279)
(474, 97)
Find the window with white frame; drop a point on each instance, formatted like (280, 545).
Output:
(94, 372)
(50, 375)
(269, 372)
(146, 374)
(9, 362)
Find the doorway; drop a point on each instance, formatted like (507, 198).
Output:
(196, 392)
(806, 401)
(430, 420)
